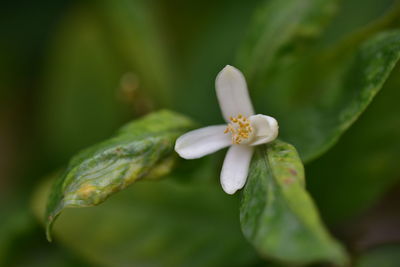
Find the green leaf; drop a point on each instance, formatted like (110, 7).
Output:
(163, 223)
(141, 149)
(348, 90)
(278, 216)
(383, 256)
(376, 16)
(278, 24)
(315, 94)
(322, 108)
(363, 165)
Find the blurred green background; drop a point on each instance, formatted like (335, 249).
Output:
(72, 72)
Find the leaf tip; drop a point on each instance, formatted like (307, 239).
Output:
(48, 231)
(49, 221)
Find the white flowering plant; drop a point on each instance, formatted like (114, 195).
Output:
(251, 133)
(243, 131)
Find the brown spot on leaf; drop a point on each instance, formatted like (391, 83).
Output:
(118, 150)
(288, 180)
(293, 171)
(86, 190)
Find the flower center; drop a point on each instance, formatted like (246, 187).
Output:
(240, 129)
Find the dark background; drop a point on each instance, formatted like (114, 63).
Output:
(72, 72)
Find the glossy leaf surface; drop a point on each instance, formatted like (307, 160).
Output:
(141, 149)
(363, 165)
(280, 59)
(277, 214)
(158, 223)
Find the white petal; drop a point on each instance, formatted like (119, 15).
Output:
(201, 142)
(232, 93)
(265, 129)
(235, 169)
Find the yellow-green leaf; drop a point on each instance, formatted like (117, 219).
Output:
(164, 223)
(140, 148)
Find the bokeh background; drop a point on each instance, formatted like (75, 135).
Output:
(72, 72)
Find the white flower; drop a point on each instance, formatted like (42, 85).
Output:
(243, 131)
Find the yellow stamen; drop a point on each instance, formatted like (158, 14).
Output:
(240, 128)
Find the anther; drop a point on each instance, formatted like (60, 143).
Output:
(239, 127)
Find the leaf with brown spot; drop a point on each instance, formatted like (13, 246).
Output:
(143, 148)
(277, 214)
